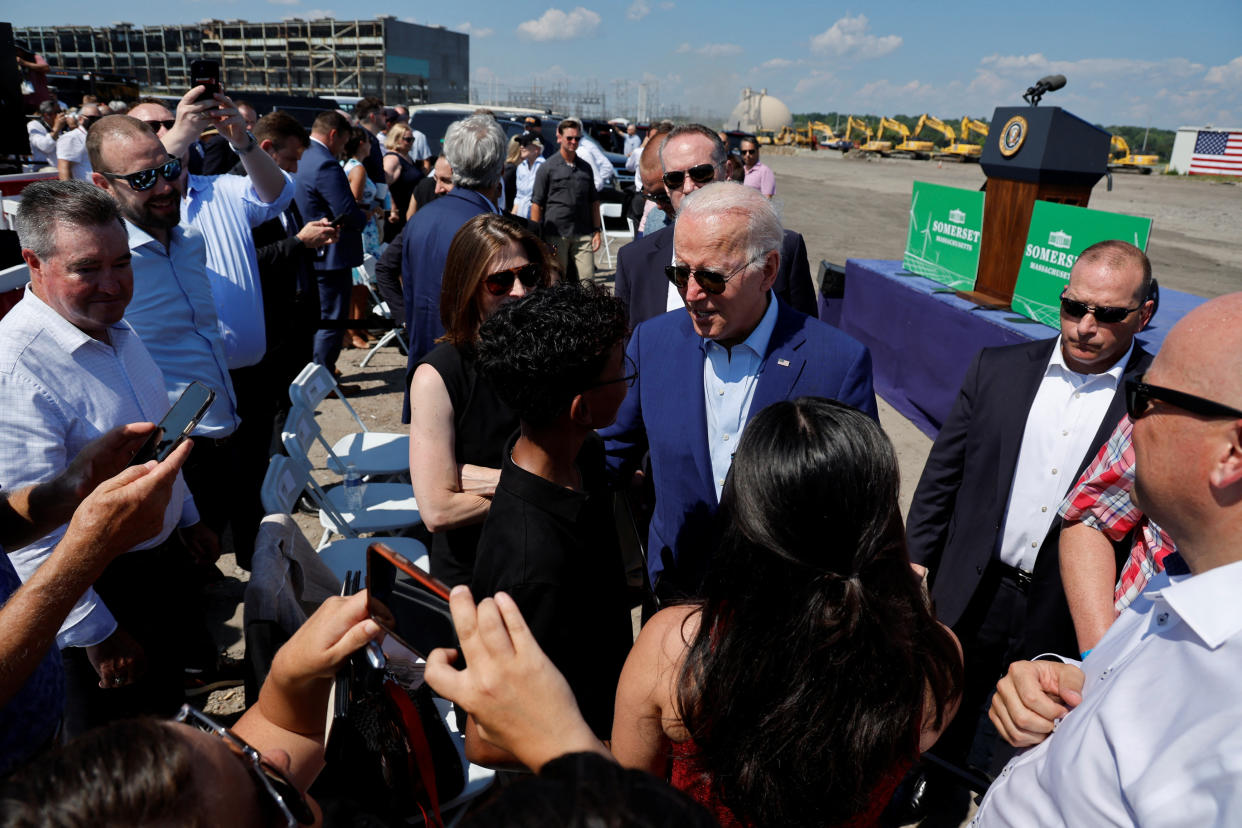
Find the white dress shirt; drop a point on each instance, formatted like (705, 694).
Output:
(601, 167)
(172, 310)
(524, 179)
(419, 151)
(1157, 739)
(729, 380)
(71, 147)
(42, 144)
(224, 208)
(60, 389)
(1064, 417)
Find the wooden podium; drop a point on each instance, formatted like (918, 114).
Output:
(1032, 153)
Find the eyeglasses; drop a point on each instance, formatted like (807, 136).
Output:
(699, 174)
(145, 179)
(628, 379)
(1104, 315)
(500, 283)
(409, 139)
(711, 281)
(571, 138)
(155, 125)
(754, 151)
(1139, 396)
(287, 799)
(660, 197)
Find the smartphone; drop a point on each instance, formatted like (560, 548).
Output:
(407, 602)
(339, 220)
(205, 73)
(177, 424)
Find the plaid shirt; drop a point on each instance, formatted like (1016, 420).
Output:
(1101, 500)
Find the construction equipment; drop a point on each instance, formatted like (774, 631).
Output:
(907, 148)
(1125, 162)
(787, 135)
(821, 134)
(877, 146)
(852, 126)
(954, 151)
(765, 136)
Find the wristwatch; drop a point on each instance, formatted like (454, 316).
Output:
(252, 142)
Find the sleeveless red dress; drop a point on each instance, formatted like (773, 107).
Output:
(687, 776)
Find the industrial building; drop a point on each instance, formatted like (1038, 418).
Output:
(397, 61)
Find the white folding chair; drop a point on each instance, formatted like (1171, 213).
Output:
(286, 479)
(386, 507)
(366, 272)
(379, 452)
(613, 210)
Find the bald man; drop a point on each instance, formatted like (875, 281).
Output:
(1150, 727)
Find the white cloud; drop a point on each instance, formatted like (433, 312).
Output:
(475, 31)
(776, 63)
(638, 10)
(558, 25)
(285, 2)
(319, 14)
(710, 50)
(1228, 75)
(849, 37)
(817, 79)
(667, 5)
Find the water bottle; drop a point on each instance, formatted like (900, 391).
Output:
(353, 489)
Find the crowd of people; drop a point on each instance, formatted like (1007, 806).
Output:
(695, 442)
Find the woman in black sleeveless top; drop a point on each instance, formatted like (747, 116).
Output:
(458, 427)
(402, 174)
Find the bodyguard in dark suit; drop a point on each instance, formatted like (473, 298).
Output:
(704, 372)
(693, 156)
(475, 148)
(323, 192)
(641, 284)
(1027, 421)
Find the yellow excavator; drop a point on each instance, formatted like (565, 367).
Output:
(854, 126)
(954, 151)
(877, 146)
(970, 125)
(1125, 162)
(820, 134)
(907, 148)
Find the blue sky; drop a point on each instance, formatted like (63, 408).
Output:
(1137, 62)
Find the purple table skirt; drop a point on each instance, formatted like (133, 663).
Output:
(922, 336)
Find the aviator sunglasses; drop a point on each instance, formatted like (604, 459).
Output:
(711, 281)
(145, 179)
(279, 792)
(1139, 397)
(699, 174)
(498, 284)
(1106, 315)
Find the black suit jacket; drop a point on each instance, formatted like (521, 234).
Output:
(285, 269)
(955, 521)
(642, 285)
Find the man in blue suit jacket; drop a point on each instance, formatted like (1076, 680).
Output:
(475, 148)
(705, 371)
(323, 192)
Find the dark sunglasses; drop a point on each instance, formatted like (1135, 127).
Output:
(711, 281)
(1139, 396)
(660, 197)
(750, 151)
(628, 379)
(145, 179)
(498, 284)
(278, 790)
(1106, 315)
(571, 137)
(699, 174)
(155, 125)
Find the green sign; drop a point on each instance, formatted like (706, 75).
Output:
(1058, 234)
(946, 224)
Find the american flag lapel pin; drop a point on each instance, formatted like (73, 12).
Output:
(783, 363)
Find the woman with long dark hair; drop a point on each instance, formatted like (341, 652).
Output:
(810, 676)
(458, 426)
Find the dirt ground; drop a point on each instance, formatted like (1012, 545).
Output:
(845, 208)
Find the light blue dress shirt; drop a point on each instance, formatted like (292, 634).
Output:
(60, 389)
(729, 380)
(174, 313)
(224, 208)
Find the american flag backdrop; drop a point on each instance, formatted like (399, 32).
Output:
(1217, 153)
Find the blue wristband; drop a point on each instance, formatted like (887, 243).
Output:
(1086, 653)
